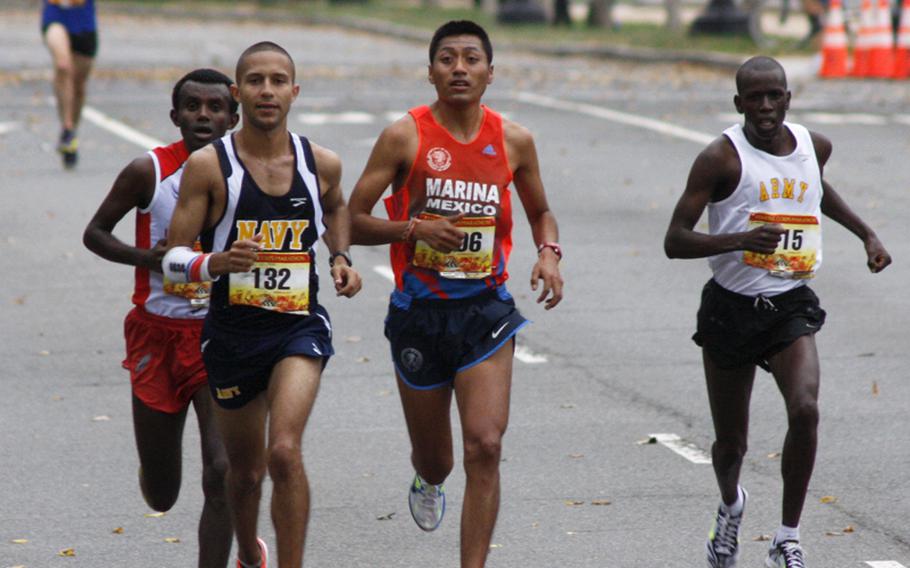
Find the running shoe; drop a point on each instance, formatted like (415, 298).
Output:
(787, 554)
(263, 555)
(427, 503)
(68, 146)
(723, 540)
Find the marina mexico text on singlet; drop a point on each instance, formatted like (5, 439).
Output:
(450, 177)
(786, 190)
(284, 282)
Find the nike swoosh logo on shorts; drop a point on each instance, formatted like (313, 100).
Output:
(496, 333)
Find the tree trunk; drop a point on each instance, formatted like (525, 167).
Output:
(674, 20)
(600, 14)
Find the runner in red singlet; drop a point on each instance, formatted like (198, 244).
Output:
(451, 322)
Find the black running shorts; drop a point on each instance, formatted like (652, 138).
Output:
(433, 340)
(737, 330)
(239, 364)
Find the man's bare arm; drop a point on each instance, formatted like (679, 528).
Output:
(337, 219)
(134, 187)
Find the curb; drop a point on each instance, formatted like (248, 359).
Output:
(720, 61)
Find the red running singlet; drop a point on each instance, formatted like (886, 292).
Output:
(446, 178)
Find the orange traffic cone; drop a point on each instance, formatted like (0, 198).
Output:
(881, 55)
(834, 43)
(902, 49)
(863, 38)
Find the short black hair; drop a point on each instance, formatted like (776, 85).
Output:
(760, 64)
(206, 77)
(457, 28)
(264, 46)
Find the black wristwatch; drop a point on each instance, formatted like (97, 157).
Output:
(342, 253)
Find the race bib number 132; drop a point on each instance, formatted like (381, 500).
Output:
(278, 282)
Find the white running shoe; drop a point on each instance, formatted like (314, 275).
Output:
(427, 503)
(723, 540)
(787, 554)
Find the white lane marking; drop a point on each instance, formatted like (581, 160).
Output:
(6, 127)
(902, 118)
(687, 450)
(845, 118)
(319, 118)
(522, 353)
(884, 564)
(525, 355)
(385, 272)
(658, 126)
(393, 115)
(117, 128)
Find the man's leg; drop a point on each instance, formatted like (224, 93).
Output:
(159, 441)
(58, 43)
(215, 529)
(796, 370)
(82, 67)
(729, 392)
(243, 434)
(482, 393)
(426, 413)
(292, 392)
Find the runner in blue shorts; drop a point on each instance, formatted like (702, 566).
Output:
(452, 323)
(260, 199)
(70, 32)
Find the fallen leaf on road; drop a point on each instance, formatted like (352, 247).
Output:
(773, 455)
(44, 353)
(118, 530)
(762, 538)
(363, 359)
(827, 499)
(352, 338)
(572, 503)
(567, 405)
(601, 502)
(648, 440)
(495, 546)
(576, 456)
(154, 515)
(101, 418)
(849, 529)
(874, 388)
(67, 552)
(19, 541)
(386, 517)
(172, 539)
(834, 533)
(20, 300)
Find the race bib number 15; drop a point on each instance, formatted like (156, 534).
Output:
(797, 251)
(278, 282)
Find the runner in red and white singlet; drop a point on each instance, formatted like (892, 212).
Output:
(163, 329)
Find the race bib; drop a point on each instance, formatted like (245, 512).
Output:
(278, 282)
(474, 259)
(797, 250)
(196, 293)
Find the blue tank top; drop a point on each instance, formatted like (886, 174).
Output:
(284, 284)
(77, 16)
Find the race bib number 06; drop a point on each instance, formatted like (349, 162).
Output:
(797, 251)
(278, 282)
(474, 259)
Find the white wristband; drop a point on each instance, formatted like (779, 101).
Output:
(183, 264)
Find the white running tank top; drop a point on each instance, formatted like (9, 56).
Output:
(772, 189)
(180, 301)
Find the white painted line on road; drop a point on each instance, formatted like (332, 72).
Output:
(320, 118)
(687, 450)
(385, 272)
(884, 564)
(902, 118)
(6, 127)
(629, 119)
(393, 115)
(117, 128)
(845, 118)
(525, 355)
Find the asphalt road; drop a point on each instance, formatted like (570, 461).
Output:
(615, 142)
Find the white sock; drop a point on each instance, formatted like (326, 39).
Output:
(785, 533)
(735, 508)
